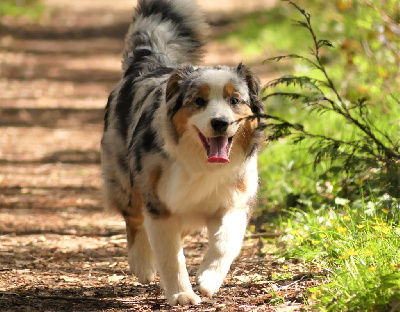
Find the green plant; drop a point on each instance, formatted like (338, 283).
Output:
(358, 248)
(28, 8)
(347, 218)
(275, 299)
(368, 148)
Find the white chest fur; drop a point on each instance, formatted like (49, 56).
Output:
(206, 192)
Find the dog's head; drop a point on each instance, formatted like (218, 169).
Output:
(210, 104)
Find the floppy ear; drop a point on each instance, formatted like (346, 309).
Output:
(174, 82)
(173, 86)
(253, 84)
(175, 89)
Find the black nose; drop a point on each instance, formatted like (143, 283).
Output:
(219, 124)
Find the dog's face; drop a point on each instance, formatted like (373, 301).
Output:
(206, 105)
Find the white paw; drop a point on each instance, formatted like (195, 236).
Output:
(184, 298)
(209, 282)
(145, 277)
(143, 269)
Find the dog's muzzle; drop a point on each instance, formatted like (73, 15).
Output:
(217, 147)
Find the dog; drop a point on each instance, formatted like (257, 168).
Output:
(179, 149)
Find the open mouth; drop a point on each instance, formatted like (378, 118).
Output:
(217, 148)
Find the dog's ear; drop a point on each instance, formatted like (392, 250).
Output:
(175, 81)
(175, 90)
(173, 86)
(253, 84)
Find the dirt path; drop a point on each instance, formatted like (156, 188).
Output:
(58, 250)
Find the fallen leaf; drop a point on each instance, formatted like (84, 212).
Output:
(68, 278)
(115, 278)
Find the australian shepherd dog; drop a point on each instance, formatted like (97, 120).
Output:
(178, 153)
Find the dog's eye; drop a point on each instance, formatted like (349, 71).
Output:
(201, 102)
(233, 101)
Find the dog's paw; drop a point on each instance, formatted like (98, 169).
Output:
(145, 277)
(184, 298)
(144, 273)
(209, 282)
(144, 270)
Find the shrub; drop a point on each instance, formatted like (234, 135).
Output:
(369, 152)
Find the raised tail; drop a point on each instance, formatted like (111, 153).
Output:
(164, 33)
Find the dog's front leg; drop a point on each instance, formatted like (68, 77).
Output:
(225, 240)
(165, 236)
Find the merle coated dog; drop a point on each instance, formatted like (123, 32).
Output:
(178, 152)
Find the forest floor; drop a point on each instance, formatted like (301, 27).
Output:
(59, 251)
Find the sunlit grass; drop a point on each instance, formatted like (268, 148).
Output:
(358, 248)
(260, 34)
(31, 9)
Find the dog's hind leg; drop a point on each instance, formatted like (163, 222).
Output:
(140, 255)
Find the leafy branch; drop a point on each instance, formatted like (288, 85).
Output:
(373, 147)
(339, 106)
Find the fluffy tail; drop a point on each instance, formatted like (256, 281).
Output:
(166, 33)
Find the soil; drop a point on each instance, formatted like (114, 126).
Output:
(59, 251)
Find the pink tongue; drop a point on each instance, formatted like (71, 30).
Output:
(218, 150)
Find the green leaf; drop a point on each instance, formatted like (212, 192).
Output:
(302, 81)
(292, 56)
(301, 24)
(302, 11)
(324, 42)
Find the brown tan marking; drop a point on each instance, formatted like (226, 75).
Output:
(155, 177)
(180, 120)
(244, 135)
(181, 117)
(173, 86)
(230, 91)
(204, 91)
(241, 186)
(135, 219)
